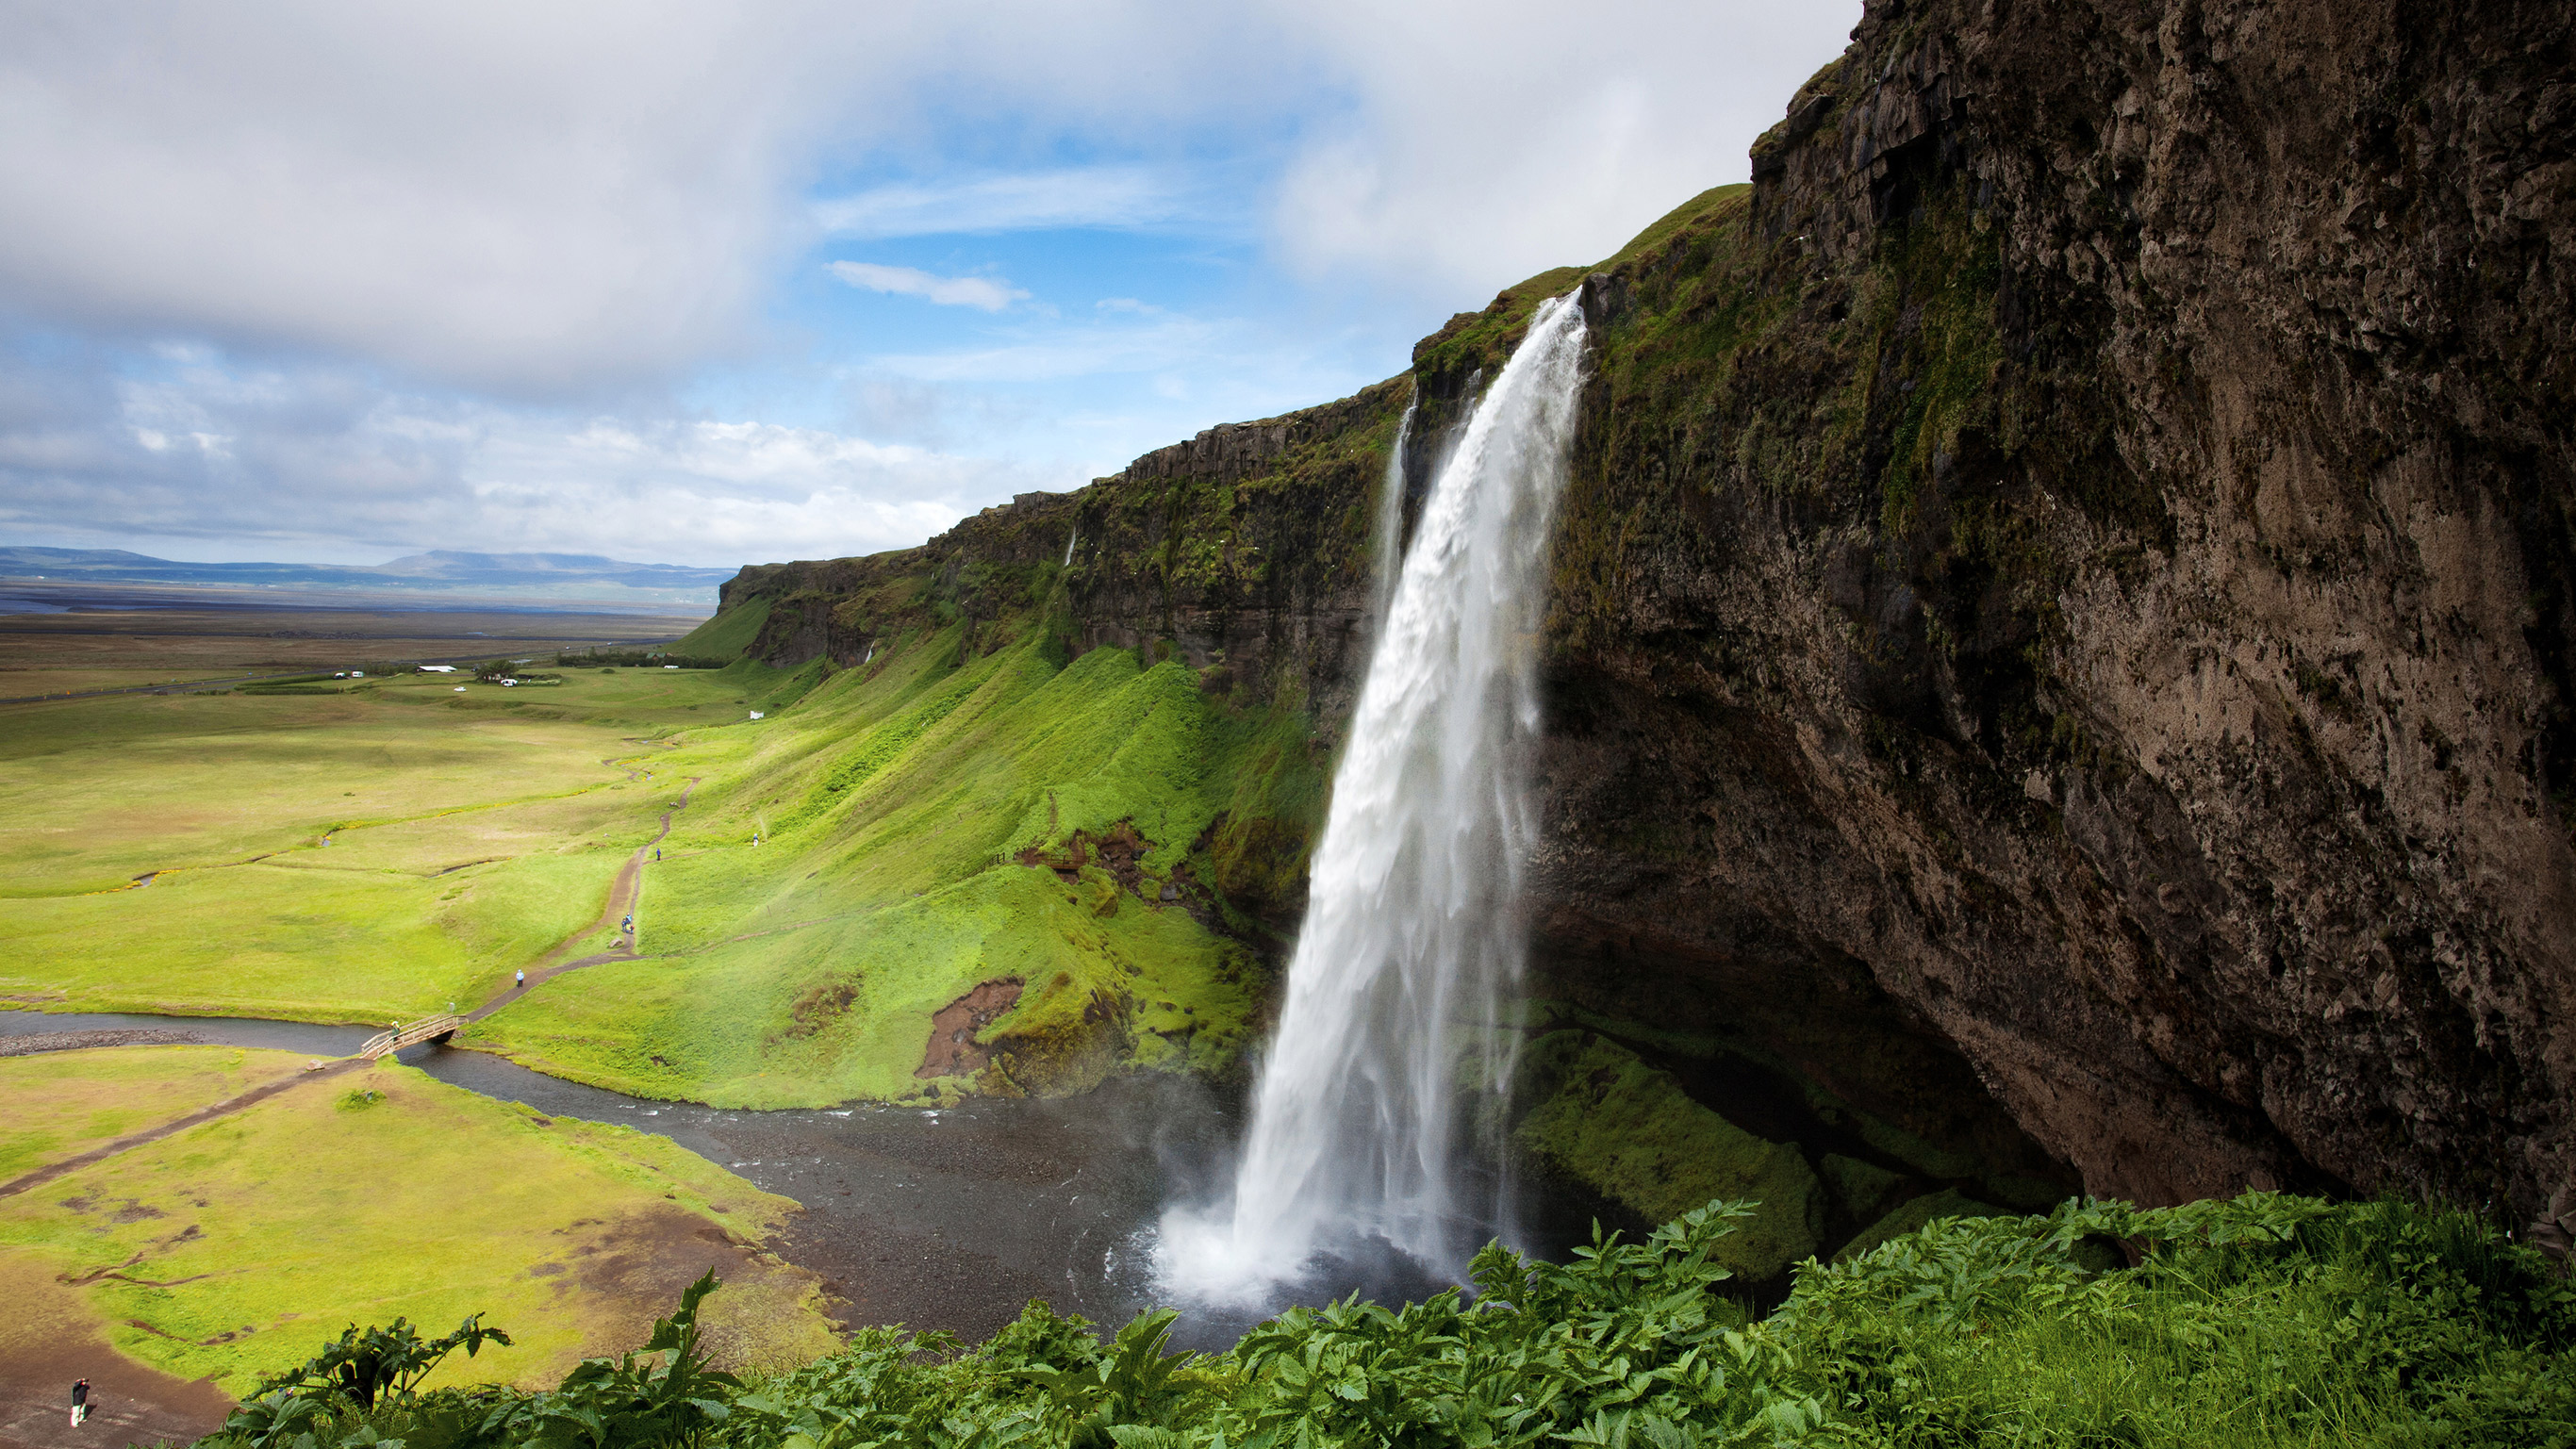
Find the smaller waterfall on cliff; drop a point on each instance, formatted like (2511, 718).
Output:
(1387, 558)
(1070, 540)
(1412, 939)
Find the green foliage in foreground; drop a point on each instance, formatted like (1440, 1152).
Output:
(384, 1363)
(2267, 1320)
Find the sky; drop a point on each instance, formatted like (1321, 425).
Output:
(335, 281)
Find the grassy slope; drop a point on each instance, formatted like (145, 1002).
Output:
(318, 1207)
(891, 804)
(728, 634)
(470, 832)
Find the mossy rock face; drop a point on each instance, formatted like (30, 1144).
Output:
(1865, 1191)
(1626, 1129)
(1947, 1203)
(1927, 1158)
(1061, 1061)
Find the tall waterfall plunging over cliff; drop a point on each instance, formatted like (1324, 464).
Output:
(1412, 939)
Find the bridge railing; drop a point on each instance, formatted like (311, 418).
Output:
(385, 1042)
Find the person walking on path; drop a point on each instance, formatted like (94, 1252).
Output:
(523, 979)
(80, 1401)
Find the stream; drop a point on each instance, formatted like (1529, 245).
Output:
(935, 1218)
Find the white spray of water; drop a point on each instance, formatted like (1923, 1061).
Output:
(1069, 540)
(1412, 940)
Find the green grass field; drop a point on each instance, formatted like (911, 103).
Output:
(29, 683)
(62, 1104)
(348, 857)
(235, 1247)
(975, 806)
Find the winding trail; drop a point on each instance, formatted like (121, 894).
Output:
(621, 897)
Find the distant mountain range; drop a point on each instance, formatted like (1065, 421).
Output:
(547, 575)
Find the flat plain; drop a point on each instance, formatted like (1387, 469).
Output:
(354, 856)
(57, 638)
(232, 1248)
(885, 842)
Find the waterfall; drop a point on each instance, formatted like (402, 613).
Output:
(1412, 941)
(1070, 540)
(1388, 558)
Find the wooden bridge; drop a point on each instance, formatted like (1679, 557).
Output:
(428, 1028)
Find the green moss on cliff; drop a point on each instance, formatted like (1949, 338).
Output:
(1864, 1191)
(1628, 1131)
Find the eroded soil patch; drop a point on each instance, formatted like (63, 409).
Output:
(953, 1050)
(1120, 852)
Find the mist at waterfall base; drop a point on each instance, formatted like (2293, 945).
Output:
(1357, 1167)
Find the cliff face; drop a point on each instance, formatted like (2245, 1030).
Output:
(2063, 617)
(2095, 541)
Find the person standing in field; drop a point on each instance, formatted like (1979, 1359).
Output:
(80, 1401)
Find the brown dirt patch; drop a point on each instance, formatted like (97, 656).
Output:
(953, 1050)
(1120, 852)
(48, 1339)
(635, 1273)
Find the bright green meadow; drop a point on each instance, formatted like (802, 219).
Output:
(975, 806)
(224, 1249)
(361, 854)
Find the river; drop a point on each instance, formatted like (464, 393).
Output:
(936, 1218)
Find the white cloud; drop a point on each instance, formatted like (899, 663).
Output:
(519, 198)
(988, 293)
(1477, 152)
(1091, 196)
(353, 266)
(311, 459)
(540, 199)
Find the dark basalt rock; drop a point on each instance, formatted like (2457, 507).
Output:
(2115, 587)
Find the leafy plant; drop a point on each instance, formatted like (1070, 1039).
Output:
(1131, 1385)
(2262, 1320)
(380, 1363)
(359, 1370)
(630, 1400)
